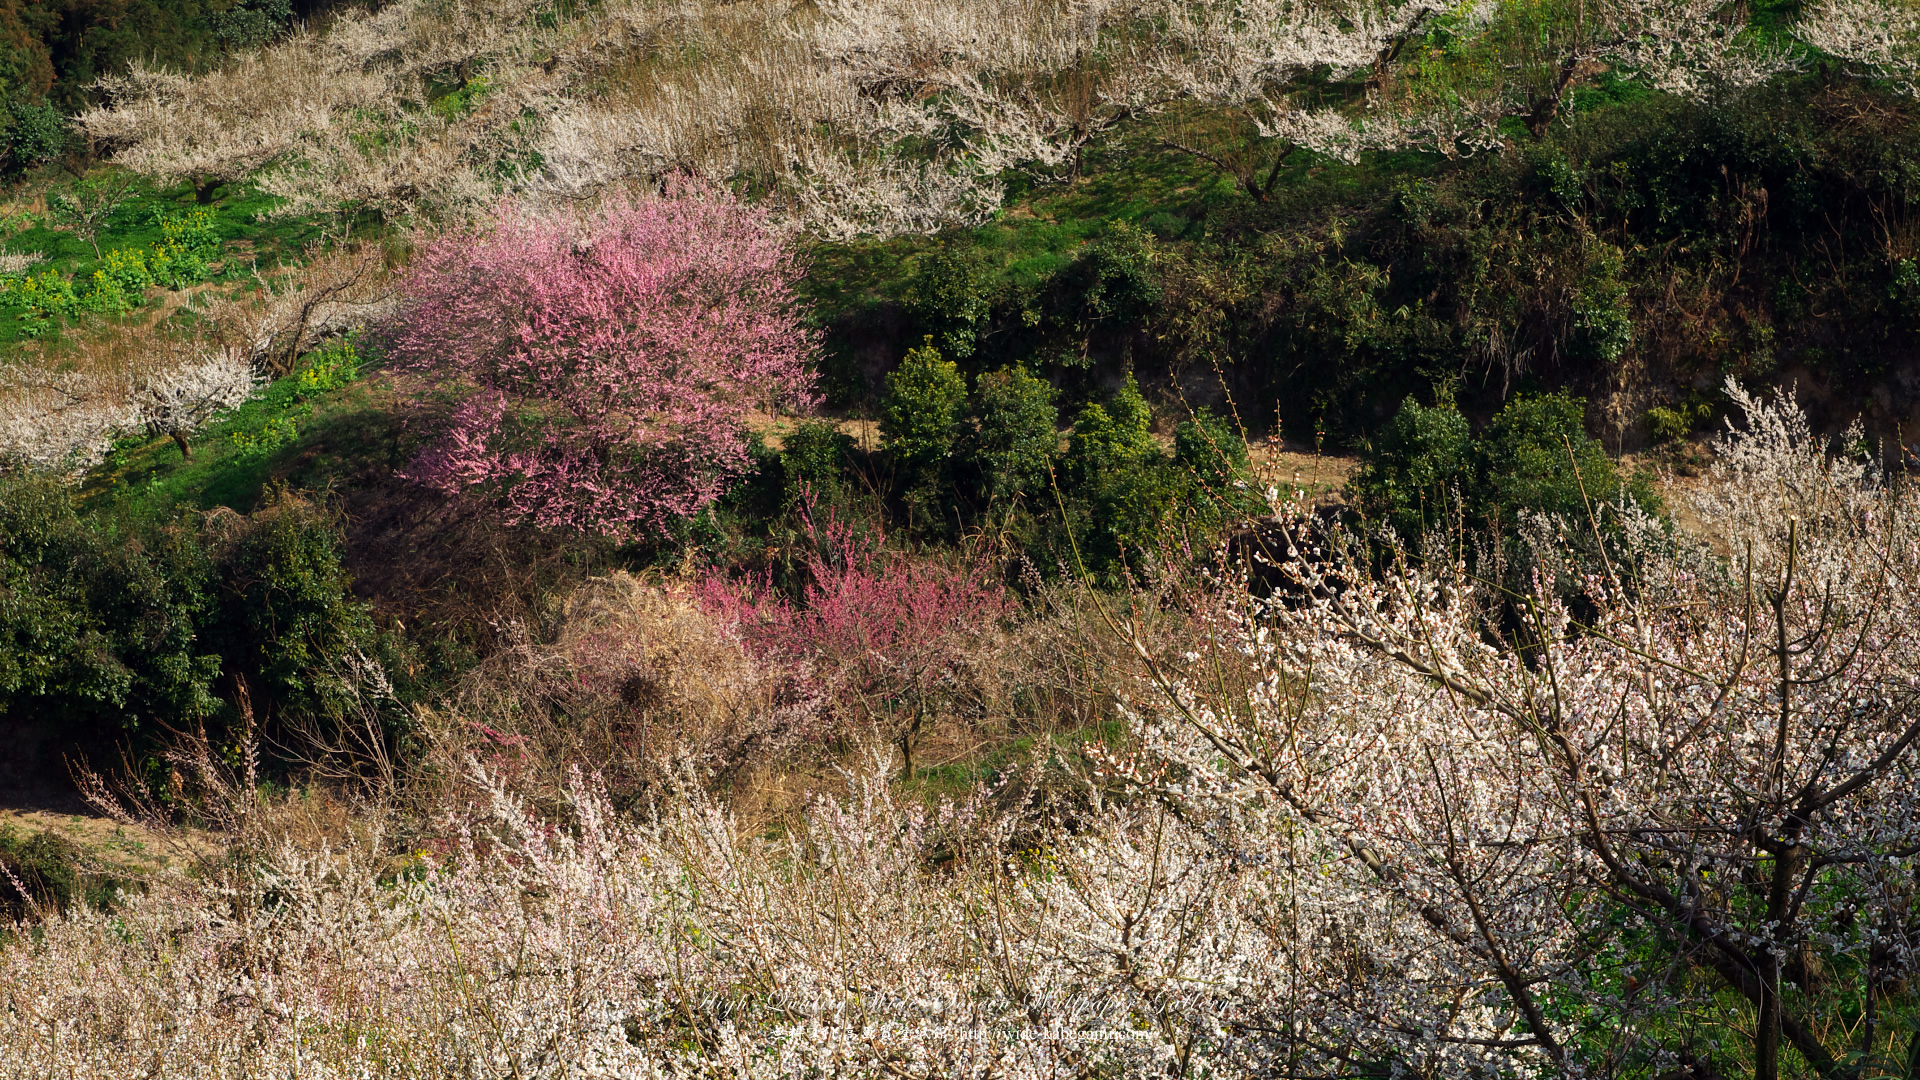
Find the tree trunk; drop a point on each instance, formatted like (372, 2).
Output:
(1766, 1043)
(180, 440)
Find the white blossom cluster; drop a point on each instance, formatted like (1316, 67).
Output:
(59, 423)
(183, 400)
(1724, 754)
(1375, 832)
(329, 120)
(876, 116)
(1881, 38)
(64, 423)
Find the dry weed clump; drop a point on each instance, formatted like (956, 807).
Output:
(767, 696)
(633, 681)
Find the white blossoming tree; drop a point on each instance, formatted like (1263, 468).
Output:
(1707, 767)
(178, 402)
(884, 116)
(1669, 829)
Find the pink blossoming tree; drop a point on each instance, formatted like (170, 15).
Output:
(606, 363)
(885, 638)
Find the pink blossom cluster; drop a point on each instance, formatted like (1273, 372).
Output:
(606, 363)
(883, 632)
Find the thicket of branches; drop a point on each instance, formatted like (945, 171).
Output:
(1655, 813)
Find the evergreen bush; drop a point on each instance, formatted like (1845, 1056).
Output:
(1016, 436)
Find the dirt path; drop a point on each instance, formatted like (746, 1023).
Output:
(120, 850)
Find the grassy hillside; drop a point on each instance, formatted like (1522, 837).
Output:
(1000, 538)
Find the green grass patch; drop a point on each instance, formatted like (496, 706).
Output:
(141, 244)
(954, 779)
(313, 430)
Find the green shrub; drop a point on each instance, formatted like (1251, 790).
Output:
(815, 454)
(920, 416)
(283, 613)
(950, 296)
(1017, 434)
(107, 629)
(1120, 489)
(1120, 280)
(46, 864)
(1117, 435)
(31, 133)
(250, 24)
(1670, 424)
(1416, 469)
(1535, 455)
(1218, 472)
(1602, 328)
(98, 630)
(1904, 287)
(55, 874)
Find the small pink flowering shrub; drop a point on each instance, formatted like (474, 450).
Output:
(605, 364)
(888, 638)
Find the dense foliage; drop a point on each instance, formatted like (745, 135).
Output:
(120, 634)
(1427, 471)
(55, 49)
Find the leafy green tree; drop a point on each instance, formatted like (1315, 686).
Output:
(1121, 281)
(251, 23)
(284, 614)
(31, 133)
(815, 454)
(920, 421)
(1120, 487)
(99, 632)
(1417, 469)
(26, 66)
(1017, 434)
(1114, 436)
(1602, 328)
(115, 632)
(920, 416)
(1536, 455)
(951, 296)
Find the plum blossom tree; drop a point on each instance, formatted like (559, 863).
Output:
(59, 423)
(176, 403)
(1880, 40)
(1673, 833)
(882, 638)
(606, 362)
(864, 117)
(1698, 783)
